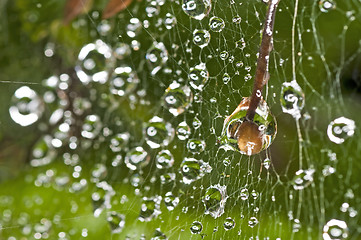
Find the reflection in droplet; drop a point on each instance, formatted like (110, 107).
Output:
(197, 9)
(183, 131)
(216, 24)
(292, 99)
(157, 56)
(26, 107)
(244, 194)
(119, 141)
(196, 145)
(193, 169)
(150, 208)
(326, 5)
(335, 230)
(226, 78)
(253, 221)
(136, 158)
(170, 201)
(164, 159)
(229, 223)
(116, 221)
(93, 61)
(196, 227)
(198, 76)
(201, 37)
(158, 133)
(123, 81)
(340, 129)
(233, 128)
(196, 123)
(214, 200)
(177, 98)
(303, 178)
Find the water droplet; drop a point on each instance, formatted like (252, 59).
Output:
(167, 178)
(183, 131)
(169, 21)
(99, 172)
(244, 194)
(226, 78)
(196, 227)
(326, 5)
(201, 37)
(216, 24)
(136, 158)
(164, 159)
(224, 55)
(134, 27)
(158, 133)
(340, 129)
(233, 128)
(119, 141)
(193, 169)
(122, 50)
(26, 107)
(150, 208)
(196, 123)
(253, 221)
(116, 221)
(335, 230)
(93, 61)
(157, 56)
(159, 235)
(198, 76)
(214, 200)
(237, 19)
(196, 145)
(241, 44)
(91, 126)
(292, 99)
(170, 201)
(123, 81)
(254, 194)
(196, 9)
(267, 163)
(177, 98)
(229, 223)
(43, 153)
(101, 197)
(303, 178)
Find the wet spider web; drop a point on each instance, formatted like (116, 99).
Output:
(129, 144)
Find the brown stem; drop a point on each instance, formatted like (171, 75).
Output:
(262, 74)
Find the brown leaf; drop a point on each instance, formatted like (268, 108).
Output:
(115, 6)
(73, 8)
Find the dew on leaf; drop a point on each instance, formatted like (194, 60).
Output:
(197, 9)
(196, 227)
(177, 98)
(233, 134)
(123, 81)
(216, 24)
(116, 221)
(198, 76)
(164, 159)
(193, 169)
(93, 62)
(340, 129)
(183, 131)
(26, 106)
(201, 37)
(292, 99)
(150, 208)
(196, 145)
(228, 224)
(158, 133)
(326, 5)
(214, 200)
(157, 56)
(136, 158)
(335, 230)
(303, 178)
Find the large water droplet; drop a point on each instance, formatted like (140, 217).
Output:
(93, 61)
(26, 107)
(196, 227)
(177, 98)
(123, 81)
(197, 9)
(193, 169)
(264, 121)
(136, 158)
(335, 230)
(150, 208)
(303, 178)
(214, 200)
(157, 56)
(340, 129)
(201, 37)
(158, 133)
(292, 99)
(216, 24)
(198, 76)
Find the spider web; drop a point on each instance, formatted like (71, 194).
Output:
(98, 183)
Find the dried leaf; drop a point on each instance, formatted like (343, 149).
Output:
(115, 6)
(73, 8)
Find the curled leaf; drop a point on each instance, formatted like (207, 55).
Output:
(73, 8)
(114, 7)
